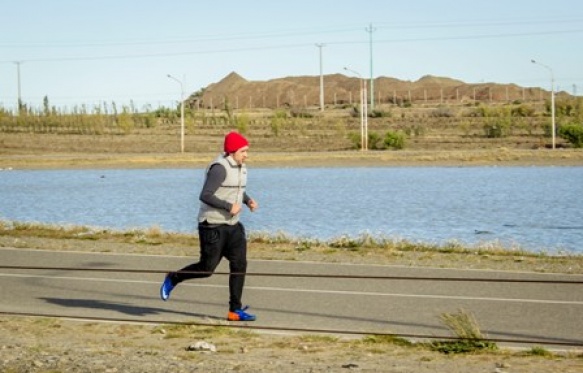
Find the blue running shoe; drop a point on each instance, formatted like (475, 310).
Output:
(166, 288)
(240, 315)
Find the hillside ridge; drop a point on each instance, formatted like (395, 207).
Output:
(339, 89)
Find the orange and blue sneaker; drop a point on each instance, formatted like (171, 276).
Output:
(240, 315)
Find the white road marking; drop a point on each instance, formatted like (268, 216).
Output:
(338, 292)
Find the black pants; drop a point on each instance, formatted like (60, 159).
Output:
(216, 242)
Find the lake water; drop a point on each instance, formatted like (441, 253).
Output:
(533, 208)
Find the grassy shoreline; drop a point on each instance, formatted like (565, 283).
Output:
(363, 249)
(404, 158)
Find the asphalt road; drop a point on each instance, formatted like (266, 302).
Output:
(518, 311)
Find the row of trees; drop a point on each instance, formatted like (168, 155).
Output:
(107, 118)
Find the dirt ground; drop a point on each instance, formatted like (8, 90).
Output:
(49, 345)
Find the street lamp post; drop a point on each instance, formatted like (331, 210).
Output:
(365, 114)
(370, 30)
(181, 112)
(18, 78)
(363, 111)
(553, 128)
(321, 78)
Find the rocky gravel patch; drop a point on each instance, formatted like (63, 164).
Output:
(42, 345)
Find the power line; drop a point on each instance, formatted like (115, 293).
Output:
(475, 23)
(208, 38)
(481, 36)
(165, 54)
(293, 32)
(288, 46)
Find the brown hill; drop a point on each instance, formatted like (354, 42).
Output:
(304, 92)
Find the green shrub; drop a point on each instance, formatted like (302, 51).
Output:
(125, 122)
(277, 121)
(565, 108)
(395, 140)
(281, 114)
(462, 347)
(375, 141)
(242, 123)
(572, 133)
(275, 125)
(522, 111)
(415, 130)
(492, 131)
(497, 128)
(539, 351)
(387, 339)
(548, 129)
(380, 114)
(149, 121)
(355, 139)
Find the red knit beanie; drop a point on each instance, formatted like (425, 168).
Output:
(234, 141)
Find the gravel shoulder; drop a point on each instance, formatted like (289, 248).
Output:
(49, 345)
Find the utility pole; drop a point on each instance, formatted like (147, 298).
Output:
(370, 30)
(363, 111)
(553, 127)
(18, 80)
(181, 111)
(320, 45)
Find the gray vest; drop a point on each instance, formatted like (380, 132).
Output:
(232, 191)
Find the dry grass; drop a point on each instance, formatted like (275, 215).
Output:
(365, 249)
(463, 324)
(499, 157)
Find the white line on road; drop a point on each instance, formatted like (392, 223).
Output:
(339, 292)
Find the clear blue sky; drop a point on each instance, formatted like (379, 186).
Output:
(86, 52)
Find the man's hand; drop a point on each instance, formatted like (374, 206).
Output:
(235, 209)
(252, 204)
